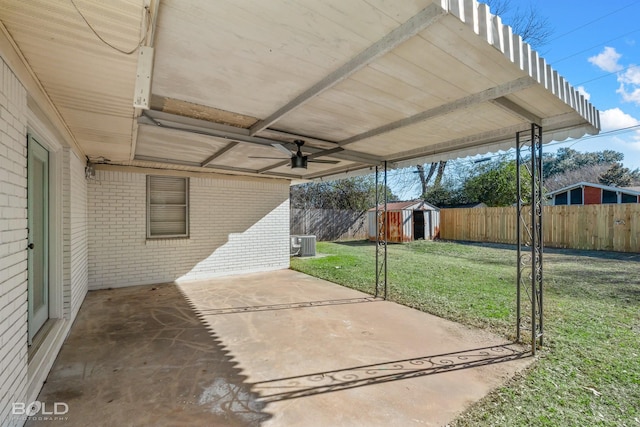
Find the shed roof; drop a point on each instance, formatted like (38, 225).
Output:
(411, 205)
(591, 184)
(362, 82)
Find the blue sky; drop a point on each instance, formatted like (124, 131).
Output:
(596, 46)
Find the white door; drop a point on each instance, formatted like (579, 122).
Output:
(38, 244)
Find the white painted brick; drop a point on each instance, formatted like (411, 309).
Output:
(236, 226)
(13, 265)
(75, 268)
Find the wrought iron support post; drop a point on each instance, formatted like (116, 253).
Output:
(381, 235)
(529, 233)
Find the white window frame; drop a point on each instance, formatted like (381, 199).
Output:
(186, 206)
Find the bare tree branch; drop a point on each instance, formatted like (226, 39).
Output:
(525, 21)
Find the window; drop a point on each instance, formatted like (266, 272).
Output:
(561, 198)
(167, 207)
(629, 198)
(576, 196)
(609, 197)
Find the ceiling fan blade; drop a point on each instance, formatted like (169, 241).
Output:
(272, 158)
(331, 162)
(283, 149)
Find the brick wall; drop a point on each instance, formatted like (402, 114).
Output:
(236, 226)
(75, 233)
(13, 242)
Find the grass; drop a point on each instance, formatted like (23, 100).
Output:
(588, 373)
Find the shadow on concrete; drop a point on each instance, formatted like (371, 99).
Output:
(141, 356)
(286, 306)
(359, 376)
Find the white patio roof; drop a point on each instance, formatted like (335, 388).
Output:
(360, 82)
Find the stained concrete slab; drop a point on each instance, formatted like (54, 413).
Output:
(269, 349)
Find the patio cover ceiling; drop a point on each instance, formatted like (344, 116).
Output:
(360, 81)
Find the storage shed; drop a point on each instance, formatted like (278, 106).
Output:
(408, 221)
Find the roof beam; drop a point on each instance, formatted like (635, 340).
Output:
(410, 28)
(468, 101)
(190, 163)
(219, 153)
(291, 137)
(482, 139)
(203, 127)
(518, 110)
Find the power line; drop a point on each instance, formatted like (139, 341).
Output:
(592, 47)
(600, 18)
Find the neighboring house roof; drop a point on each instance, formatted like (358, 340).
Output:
(591, 184)
(412, 205)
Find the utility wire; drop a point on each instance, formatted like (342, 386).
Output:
(592, 47)
(126, 52)
(604, 75)
(600, 18)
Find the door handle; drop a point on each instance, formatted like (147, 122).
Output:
(31, 246)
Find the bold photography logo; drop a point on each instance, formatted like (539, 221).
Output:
(37, 408)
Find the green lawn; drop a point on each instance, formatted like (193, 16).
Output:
(588, 373)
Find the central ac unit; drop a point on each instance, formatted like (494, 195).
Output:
(303, 245)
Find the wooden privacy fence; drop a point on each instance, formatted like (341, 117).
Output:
(591, 227)
(329, 224)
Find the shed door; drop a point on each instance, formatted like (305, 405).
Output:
(418, 225)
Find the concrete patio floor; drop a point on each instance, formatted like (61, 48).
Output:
(269, 349)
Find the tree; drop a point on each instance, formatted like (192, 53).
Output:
(358, 194)
(525, 21)
(445, 194)
(494, 183)
(590, 173)
(619, 176)
(567, 159)
(426, 178)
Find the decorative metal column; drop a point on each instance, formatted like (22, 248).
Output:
(381, 235)
(529, 233)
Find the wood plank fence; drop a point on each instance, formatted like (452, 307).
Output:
(589, 227)
(329, 224)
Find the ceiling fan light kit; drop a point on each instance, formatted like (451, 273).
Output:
(298, 159)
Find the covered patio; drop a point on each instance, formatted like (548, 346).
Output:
(155, 141)
(272, 349)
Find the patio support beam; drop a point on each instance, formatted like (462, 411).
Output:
(529, 232)
(410, 28)
(381, 235)
(468, 101)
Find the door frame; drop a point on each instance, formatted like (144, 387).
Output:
(36, 151)
(37, 129)
(40, 359)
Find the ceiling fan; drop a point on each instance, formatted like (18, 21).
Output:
(298, 159)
